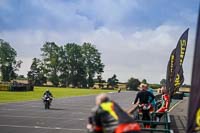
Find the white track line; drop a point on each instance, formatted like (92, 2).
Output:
(39, 127)
(175, 105)
(36, 117)
(41, 111)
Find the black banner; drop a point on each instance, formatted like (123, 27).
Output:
(175, 76)
(193, 124)
(181, 48)
(170, 70)
(178, 81)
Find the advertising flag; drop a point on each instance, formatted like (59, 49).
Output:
(193, 124)
(175, 76)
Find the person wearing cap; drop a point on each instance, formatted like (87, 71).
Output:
(108, 117)
(144, 98)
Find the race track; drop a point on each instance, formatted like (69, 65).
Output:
(67, 115)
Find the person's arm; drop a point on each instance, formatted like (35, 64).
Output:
(152, 97)
(166, 98)
(97, 125)
(136, 99)
(50, 94)
(94, 124)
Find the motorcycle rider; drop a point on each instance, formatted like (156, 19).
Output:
(108, 117)
(48, 94)
(145, 98)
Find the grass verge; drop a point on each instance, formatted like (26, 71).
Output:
(9, 96)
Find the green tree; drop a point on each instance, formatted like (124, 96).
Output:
(144, 81)
(100, 81)
(113, 81)
(92, 62)
(51, 58)
(64, 70)
(8, 63)
(163, 82)
(15, 67)
(133, 83)
(36, 74)
(75, 65)
(71, 64)
(21, 77)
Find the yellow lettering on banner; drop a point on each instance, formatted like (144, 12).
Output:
(177, 80)
(182, 50)
(198, 118)
(172, 63)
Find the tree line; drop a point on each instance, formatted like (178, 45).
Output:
(69, 64)
(8, 63)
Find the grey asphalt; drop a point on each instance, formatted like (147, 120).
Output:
(178, 116)
(67, 115)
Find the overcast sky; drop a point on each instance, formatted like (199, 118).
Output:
(135, 37)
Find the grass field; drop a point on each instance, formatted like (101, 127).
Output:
(8, 96)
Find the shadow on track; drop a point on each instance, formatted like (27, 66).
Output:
(56, 109)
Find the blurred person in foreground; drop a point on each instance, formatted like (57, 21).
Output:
(109, 117)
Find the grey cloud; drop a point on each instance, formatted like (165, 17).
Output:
(125, 52)
(143, 54)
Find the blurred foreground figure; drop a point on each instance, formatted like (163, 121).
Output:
(108, 117)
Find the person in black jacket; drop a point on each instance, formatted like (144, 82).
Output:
(48, 94)
(144, 99)
(143, 95)
(108, 117)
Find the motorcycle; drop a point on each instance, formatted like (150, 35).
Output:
(144, 111)
(47, 101)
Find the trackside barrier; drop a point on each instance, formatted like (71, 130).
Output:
(163, 126)
(21, 87)
(7, 86)
(164, 123)
(145, 130)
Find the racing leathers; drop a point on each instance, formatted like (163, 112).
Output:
(145, 98)
(165, 103)
(108, 117)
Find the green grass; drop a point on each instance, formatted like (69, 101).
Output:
(9, 96)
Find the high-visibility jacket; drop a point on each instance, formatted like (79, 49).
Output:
(110, 118)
